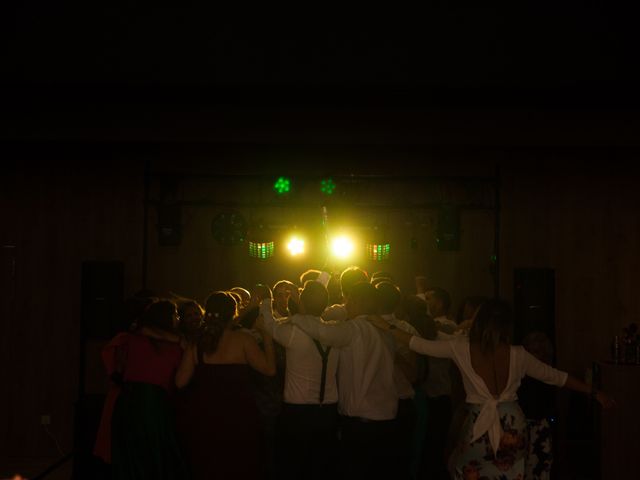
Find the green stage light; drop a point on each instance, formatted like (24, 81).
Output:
(327, 186)
(378, 251)
(261, 250)
(282, 185)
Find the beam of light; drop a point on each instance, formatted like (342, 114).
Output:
(295, 246)
(342, 246)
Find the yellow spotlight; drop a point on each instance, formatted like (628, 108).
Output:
(342, 246)
(295, 246)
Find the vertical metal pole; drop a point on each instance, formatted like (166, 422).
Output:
(145, 231)
(496, 235)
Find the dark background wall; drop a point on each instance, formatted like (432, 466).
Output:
(406, 112)
(560, 209)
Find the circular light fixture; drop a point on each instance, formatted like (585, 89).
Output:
(327, 186)
(229, 228)
(282, 185)
(342, 246)
(295, 246)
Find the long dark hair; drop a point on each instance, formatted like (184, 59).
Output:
(159, 315)
(493, 325)
(220, 310)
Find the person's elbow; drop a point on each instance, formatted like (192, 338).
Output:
(181, 381)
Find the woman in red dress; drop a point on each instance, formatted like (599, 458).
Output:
(218, 422)
(142, 440)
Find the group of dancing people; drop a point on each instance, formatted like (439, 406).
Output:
(324, 379)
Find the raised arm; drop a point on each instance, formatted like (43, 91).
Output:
(282, 332)
(332, 334)
(261, 361)
(546, 373)
(186, 367)
(420, 345)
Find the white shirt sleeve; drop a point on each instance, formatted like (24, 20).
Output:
(542, 371)
(282, 332)
(433, 348)
(335, 313)
(332, 334)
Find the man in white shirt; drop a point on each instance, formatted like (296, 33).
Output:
(307, 426)
(367, 396)
(348, 278)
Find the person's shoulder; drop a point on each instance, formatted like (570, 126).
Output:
(242, 335)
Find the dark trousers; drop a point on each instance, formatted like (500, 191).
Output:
(403, 442)
(307, 442)
(434, 463)
(367, 448)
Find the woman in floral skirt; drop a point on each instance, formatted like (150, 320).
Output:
(493, 441)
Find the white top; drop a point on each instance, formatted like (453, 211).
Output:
(335, 313)
(521, 363)
(403, 385)
(365, 375)
(303, 374)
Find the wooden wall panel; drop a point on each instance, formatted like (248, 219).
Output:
(580, 221)
(582, 224)
(66, 214)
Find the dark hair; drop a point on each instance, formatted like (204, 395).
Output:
(364, 295)
(159, 315)
(262, 291)
(236, 297)
(475, 302)
(133, 310)
(388, 297)
(280, 283)
(314, 297)
(333, 288)
(189, 330)
(539, 345)
(311, 274)
(381, 274)
(350, 277)
(418, 317)
(444, 297)
(220, 310)
(241, 291)
(493, 325)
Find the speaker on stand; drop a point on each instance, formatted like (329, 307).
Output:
(102, 290)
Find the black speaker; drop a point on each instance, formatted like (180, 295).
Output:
(534, 303)
(102, 290)
(448, 229)
(102, 299)
(169, 225)
(534, 312)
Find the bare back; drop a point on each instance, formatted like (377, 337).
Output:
(492, 367)
(231, 349)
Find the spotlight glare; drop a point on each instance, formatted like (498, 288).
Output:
(342, 246)
(295, 246)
